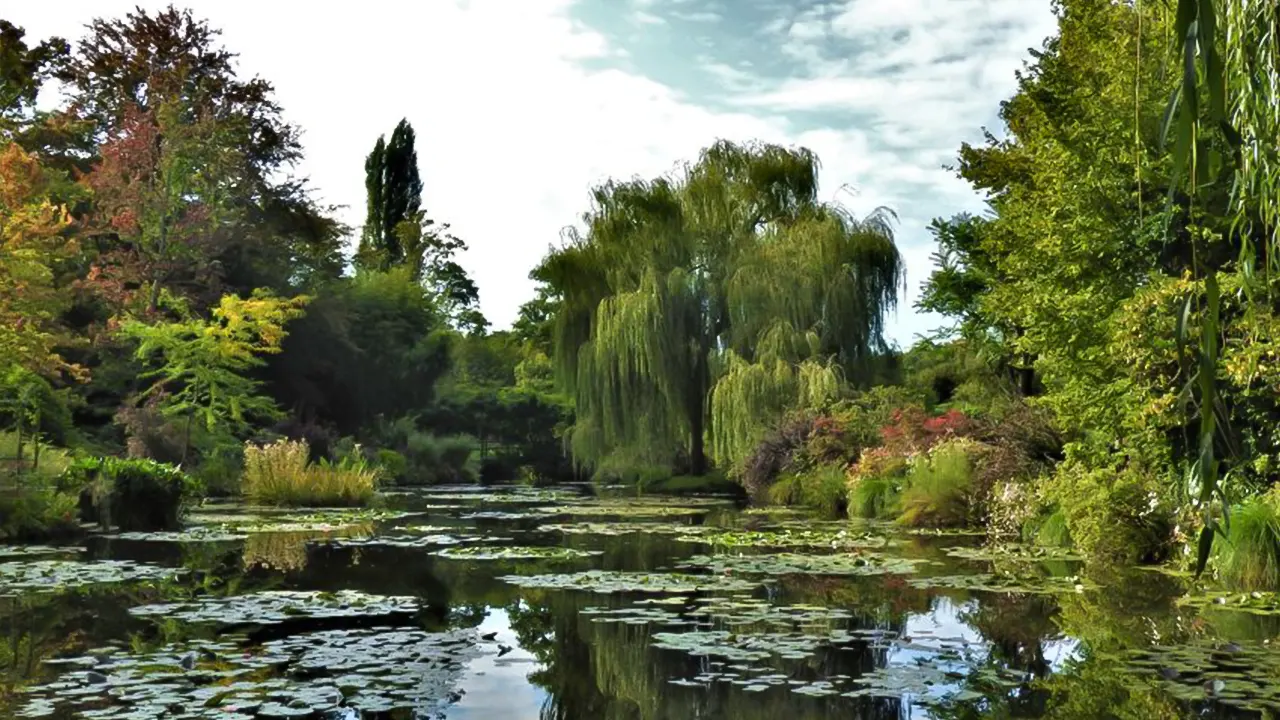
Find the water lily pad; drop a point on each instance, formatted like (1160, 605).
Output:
(476, 552)
(1013, 551)
(193, 534)
(622, 509)
(56, 575)
(429, 540)
(501, 515)
(271, 607)
(628, 528)
(606, 581)
(853, 563)
(1254, 603)
(11, 552)
(840, 539)
(375, 671)
(1004, 583)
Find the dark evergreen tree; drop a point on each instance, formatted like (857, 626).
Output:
(394, 191)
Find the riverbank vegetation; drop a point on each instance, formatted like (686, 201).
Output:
(171, 295)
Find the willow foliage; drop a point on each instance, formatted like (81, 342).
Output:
(699, 306)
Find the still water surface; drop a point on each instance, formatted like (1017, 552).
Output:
(635, 609)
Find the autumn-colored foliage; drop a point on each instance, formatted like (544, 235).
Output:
(34, 237)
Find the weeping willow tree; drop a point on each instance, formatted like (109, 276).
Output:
(1226, 112)
(700, 306)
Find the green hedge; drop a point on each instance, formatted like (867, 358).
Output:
(131, 494)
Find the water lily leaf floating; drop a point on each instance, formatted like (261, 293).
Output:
(57, 575)
(378, 672)
(838, 539)
(1254, 603)
(1240, 675)
(862, 563)
(278, 606)
(1013, 551)
(479, 552)
(1005, 583)
(502, 515)
(18, 552)
(622, 509)
(611, 581)
(407, 541)
(195, 534)
(612, 529)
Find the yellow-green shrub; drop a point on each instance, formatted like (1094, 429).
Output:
(1113, 514)
(822, 488)
(939, 489)
(281, 474)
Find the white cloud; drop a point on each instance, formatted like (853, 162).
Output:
(513, 130)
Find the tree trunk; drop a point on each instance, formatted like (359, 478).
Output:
(697, 413)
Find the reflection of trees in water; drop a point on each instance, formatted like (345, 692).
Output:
(610, 671)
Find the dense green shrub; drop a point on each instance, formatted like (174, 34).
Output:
(1113, 514)
(35, 510)
(822, 488)
(394, 465)
(219, 471)
(436, 460)
(132, 494)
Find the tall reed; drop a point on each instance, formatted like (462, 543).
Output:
(280, 474)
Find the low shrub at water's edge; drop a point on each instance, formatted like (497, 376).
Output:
(939, 490)
(36, 511)
(822, 489)
(1249, 557)
(281, 474)
(1113, 514)
(132, 494)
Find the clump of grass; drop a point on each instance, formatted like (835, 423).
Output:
(939, 488)
(1250, 558)
(872, 497)
(281, 474)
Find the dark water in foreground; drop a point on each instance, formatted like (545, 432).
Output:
(833, 620)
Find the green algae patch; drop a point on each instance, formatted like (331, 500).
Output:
(609, 581)
(57, 575)
(272, 607)
(841, 539)
(515, 553)
(856, 563)
(377, 672)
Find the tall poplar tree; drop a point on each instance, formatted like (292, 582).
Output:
(394, 193)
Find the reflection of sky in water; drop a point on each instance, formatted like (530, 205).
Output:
(940, 629)
(498, 687)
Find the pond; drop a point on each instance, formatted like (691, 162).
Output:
(469, 603)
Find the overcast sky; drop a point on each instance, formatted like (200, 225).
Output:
(520, 106)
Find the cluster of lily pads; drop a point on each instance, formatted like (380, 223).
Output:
(862, 563)
(196, 533)
(1023, 583)
(331, 673)
(610, 581)
(514, 552)
(56, 575)
(1241, 675)
(836, 539)
(278, 606)
(11, 552)
(613, 529)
